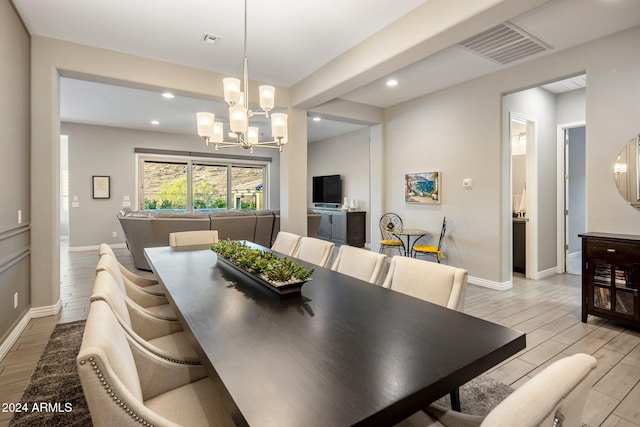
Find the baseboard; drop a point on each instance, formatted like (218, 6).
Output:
(48, 310)
(545, 273)
(96, 247)
(575, 255)
(14, 335)
(504, 286)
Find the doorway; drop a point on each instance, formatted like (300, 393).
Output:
(571, 196)
(522, 130)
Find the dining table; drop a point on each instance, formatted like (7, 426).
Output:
(340, 352)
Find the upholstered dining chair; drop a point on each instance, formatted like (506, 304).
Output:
(389, 223)
(554, 398)
(164, 338)
(153, 302)
(315, 251)
(435, 251)
(197, 238)
(286, 243)
(126, 385)
(360, 263)
(437, 283)
(105, 249)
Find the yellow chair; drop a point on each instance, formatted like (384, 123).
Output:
(432, 250)
(389, 223)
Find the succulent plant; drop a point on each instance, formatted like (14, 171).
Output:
(266, 264)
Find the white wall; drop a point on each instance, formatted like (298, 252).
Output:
(459, 131)
(348, 156)
(100, 150)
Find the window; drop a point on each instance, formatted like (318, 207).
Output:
(181, 183)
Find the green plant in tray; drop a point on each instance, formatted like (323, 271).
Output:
(264, 264)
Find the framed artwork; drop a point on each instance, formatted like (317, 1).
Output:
(101, 187)
(423, 187)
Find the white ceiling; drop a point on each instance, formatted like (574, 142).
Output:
(287, 40)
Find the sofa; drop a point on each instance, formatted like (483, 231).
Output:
(146, 229)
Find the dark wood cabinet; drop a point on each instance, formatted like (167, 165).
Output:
(519, 246)
(343, 227)
(610, 282)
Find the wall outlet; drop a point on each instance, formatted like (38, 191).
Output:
(15, 300)
(19, 216)
(114, 234)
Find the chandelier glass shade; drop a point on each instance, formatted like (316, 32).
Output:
(236, 96)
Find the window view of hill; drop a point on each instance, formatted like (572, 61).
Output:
(165, 186)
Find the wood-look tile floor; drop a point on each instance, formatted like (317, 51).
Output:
(547, 310)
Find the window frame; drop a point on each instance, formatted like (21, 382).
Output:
(189, 159)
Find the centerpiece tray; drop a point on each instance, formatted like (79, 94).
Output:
(280, 275)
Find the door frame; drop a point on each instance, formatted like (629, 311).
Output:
(531, 194)
(562, 165)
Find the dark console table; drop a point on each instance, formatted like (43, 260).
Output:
(343, 227)
(610, 277)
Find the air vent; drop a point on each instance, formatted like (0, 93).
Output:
(504, 43)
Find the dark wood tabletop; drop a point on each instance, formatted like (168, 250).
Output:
(342, 353)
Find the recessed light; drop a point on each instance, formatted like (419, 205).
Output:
(168, 95)
(155, 122)
(392, 82)
(317, 119)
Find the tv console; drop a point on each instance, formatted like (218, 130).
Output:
(342, 227)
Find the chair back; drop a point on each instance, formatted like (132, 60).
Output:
(437, 283)
(286, 243)
(359, 263)
(554, 397)
(315, 251)
(106, 249)
(389, 223)
(106, 288)
(442, 231)
(105, 345)
(195, 238)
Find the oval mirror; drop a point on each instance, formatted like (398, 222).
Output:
(626, 172)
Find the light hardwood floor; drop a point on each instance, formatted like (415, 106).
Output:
(547, 310)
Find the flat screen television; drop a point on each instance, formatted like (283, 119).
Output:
(327, 189)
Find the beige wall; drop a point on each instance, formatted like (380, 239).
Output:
(346, 155)
(14, 168)
(463, 132)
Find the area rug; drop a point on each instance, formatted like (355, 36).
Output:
(479, 396)
(54, 396)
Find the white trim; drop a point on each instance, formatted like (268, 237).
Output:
(561, 239)
(14, 335)
(573, 255)
(545, 273)
(531, 234)
(32, 313)
(48, 310)
(96, 247)
(505, 286)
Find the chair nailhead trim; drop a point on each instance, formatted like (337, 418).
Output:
(113, 396)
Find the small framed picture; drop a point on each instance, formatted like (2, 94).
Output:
(422, 187)
(101, 186)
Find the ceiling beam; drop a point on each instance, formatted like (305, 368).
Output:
(430, 28)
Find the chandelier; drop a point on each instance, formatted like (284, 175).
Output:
(237, 97)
